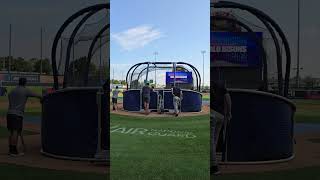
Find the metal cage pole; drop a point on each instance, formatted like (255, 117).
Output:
(147, 73)
(174, 74)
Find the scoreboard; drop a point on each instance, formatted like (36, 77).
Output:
(235, 49)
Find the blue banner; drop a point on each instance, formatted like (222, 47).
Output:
(181, 77)
(235, 49)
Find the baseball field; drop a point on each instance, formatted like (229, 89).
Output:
(160, 148)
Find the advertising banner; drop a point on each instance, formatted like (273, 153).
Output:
(181, 77)
(235, 49)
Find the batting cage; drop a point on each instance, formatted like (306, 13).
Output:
(162, 76)
(75, 116)
(250, 55)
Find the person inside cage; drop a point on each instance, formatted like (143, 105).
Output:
(146, 95)
(177, 94)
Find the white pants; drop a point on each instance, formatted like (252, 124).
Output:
(176, 104)
(160, 104)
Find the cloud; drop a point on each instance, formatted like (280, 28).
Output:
(137, 37)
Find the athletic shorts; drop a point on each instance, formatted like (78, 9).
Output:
(14, 122)
(114, 100)
(146, 99)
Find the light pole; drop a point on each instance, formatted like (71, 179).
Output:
(41, 48)
(155, 69)
(10, 44)
(112, 75)
(203, 52)
(122, 75)
(298, 49)
(298, 77)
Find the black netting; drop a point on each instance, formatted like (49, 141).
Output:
(248, 77)
(156, 73)
(89, 55)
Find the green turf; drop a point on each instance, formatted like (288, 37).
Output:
(297, 174)
(30, 111)
(4, 132)
(13, 172)
(308, 111)
(206, 97)
(135, 156)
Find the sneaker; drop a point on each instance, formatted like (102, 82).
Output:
(177, 115)
(215, 170)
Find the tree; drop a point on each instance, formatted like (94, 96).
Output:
(21, 65)
(79, 65)
(114, 81)
(309, 82)
(123, 82)
(46, 66)
(77, 72)
(17, 64)
(2, 60)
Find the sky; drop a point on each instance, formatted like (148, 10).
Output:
(284, 12)
(177, 29)
(27, 17)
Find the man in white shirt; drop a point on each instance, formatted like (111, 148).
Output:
(17, 101)
(115, 94)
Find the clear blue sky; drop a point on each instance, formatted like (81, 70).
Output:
(177, 29)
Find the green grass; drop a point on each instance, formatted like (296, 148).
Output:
(297, 174)
(4, 132)
(135, 156)
(206, 97)
(308, 111)
(30, 111)
(13, 172)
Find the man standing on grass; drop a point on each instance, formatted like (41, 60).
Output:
(115, 94)
(220, 115)
(146, 91)
(17, 102)
(177, 94)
